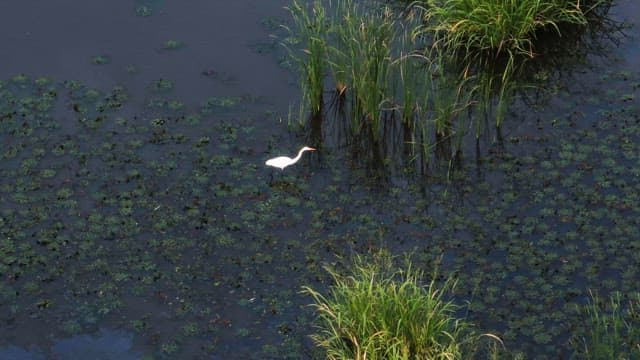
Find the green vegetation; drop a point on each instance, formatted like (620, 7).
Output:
(434, 67)
(492, 39)
(499, 26)
(379, 311)
(613, 329)
(362, 60)
(154, 213)
(310, 28)
(173, 44)
(382, 312)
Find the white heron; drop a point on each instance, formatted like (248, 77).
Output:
(282, 162)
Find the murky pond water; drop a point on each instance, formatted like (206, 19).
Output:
(138, 220)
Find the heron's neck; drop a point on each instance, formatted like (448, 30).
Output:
(295, 159)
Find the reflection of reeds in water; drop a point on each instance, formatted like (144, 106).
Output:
(449, 101)
(412, 90)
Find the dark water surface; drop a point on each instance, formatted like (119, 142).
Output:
(138, 221)
(221, 39)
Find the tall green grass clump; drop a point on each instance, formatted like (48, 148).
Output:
(496, 26)
(382, 312)
(613, 329)
(361, 57)
(310, 31)
(495, 37)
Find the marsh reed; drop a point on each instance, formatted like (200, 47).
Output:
(612, 330)
(441, 69)
(310, 28)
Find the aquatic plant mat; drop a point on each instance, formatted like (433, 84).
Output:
(167, 225)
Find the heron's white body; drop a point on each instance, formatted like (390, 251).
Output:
(282, 162)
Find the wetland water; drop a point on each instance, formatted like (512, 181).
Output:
(137, 219)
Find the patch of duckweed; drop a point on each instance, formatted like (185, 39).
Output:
(192, 119)
(224, 104)
(132, 69)
(169, 348)
(162, 85)
(144, 11)
(100, 59)
(172, 44)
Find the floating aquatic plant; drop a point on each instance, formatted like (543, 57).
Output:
(144, 11)
(173, 45)
(100, 60)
